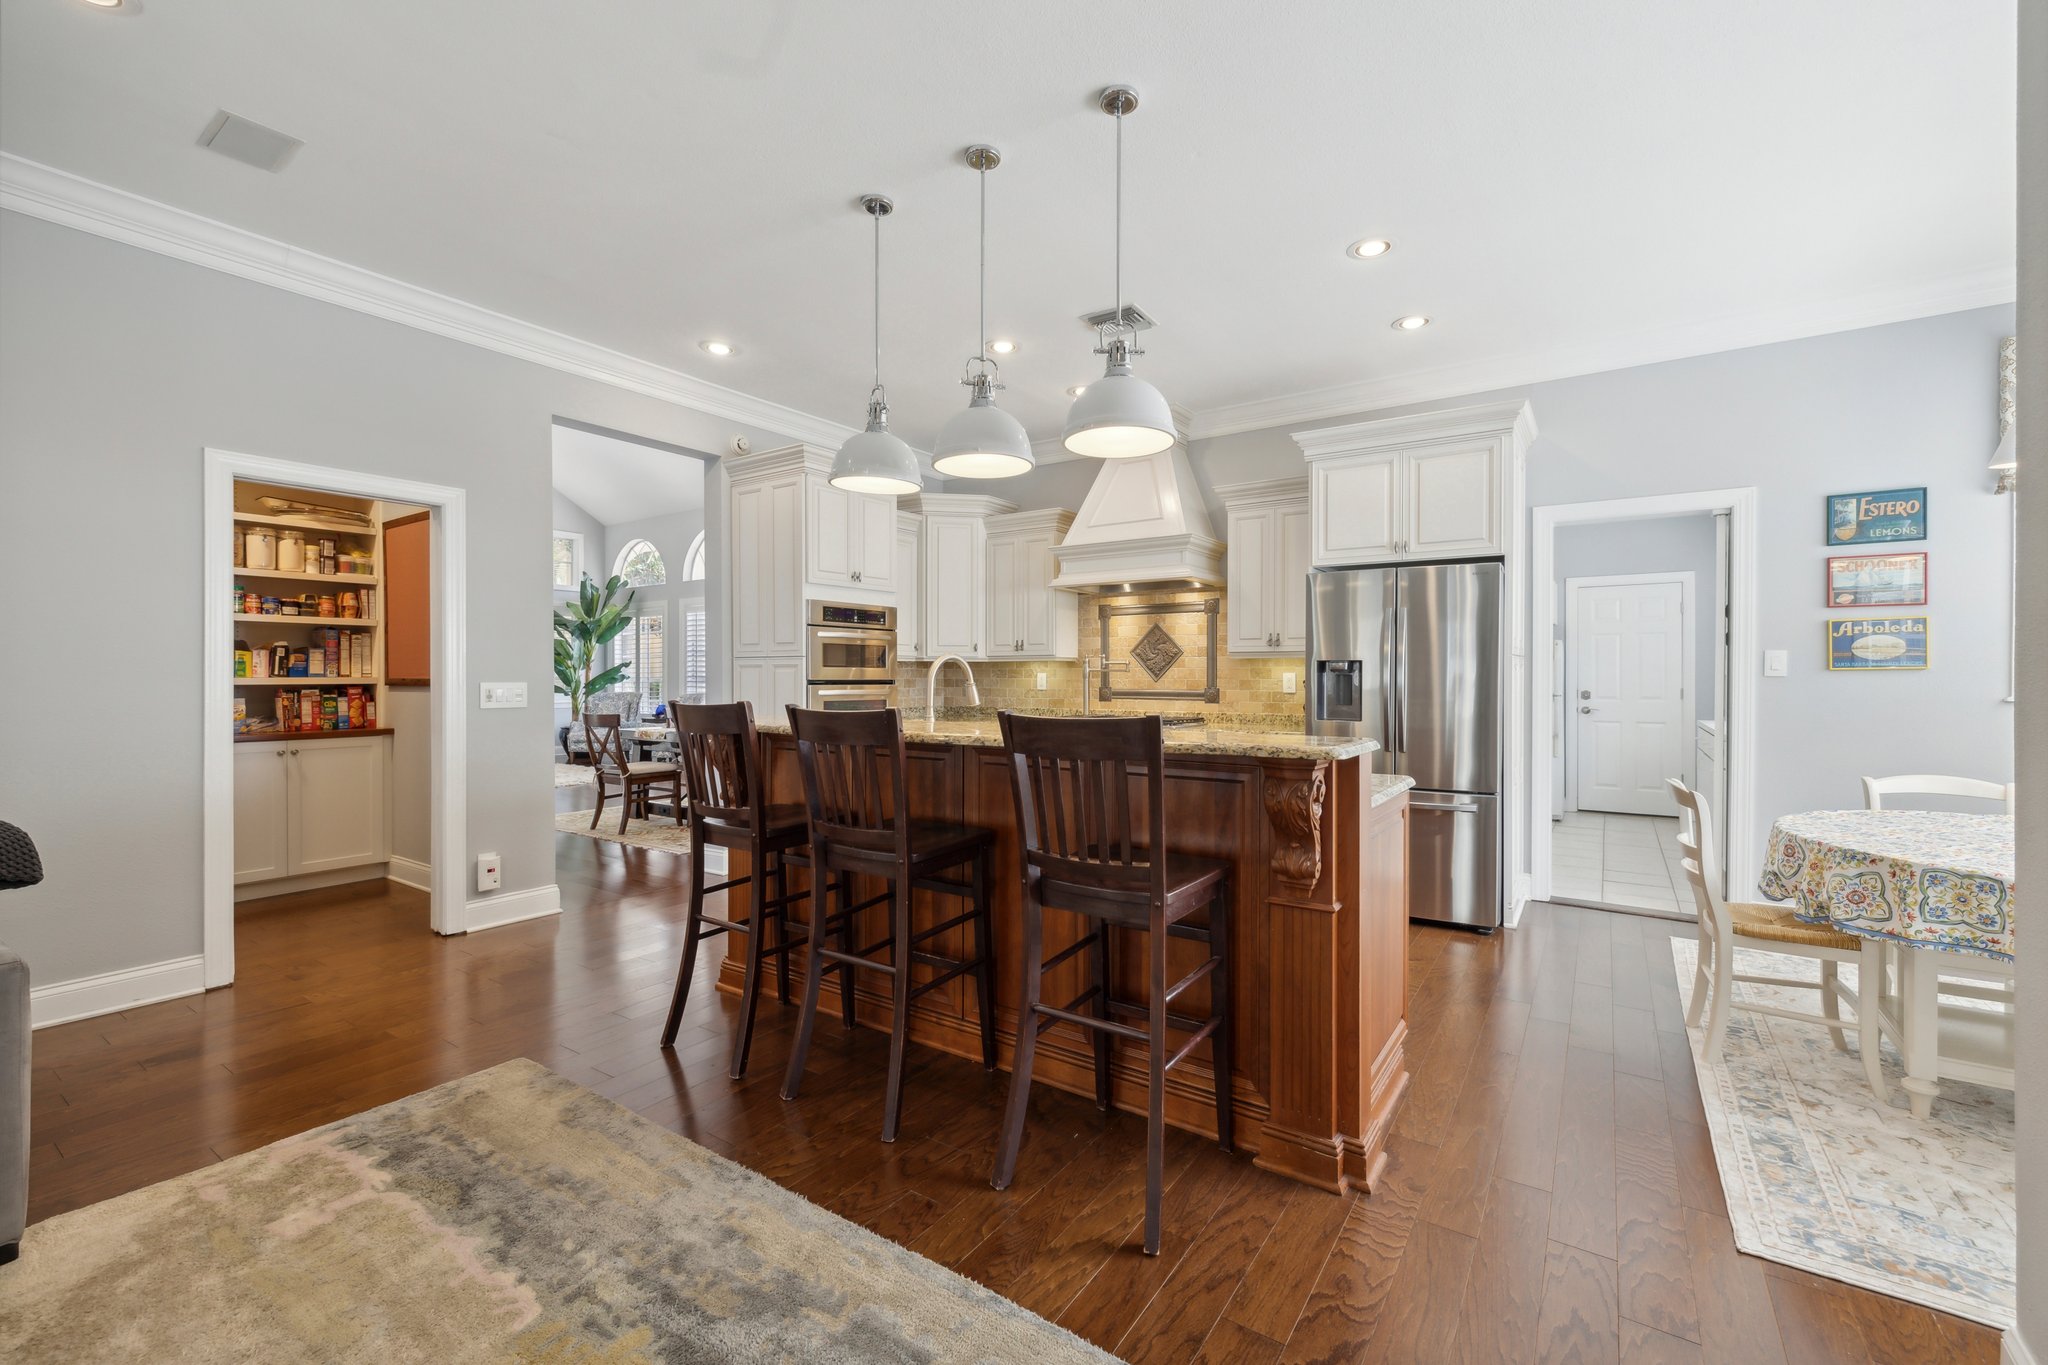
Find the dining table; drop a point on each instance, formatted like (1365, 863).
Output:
(1935, 886)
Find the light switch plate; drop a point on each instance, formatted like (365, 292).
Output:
(1041, 682)
(497, 696)
(1775, 663)
(1287, 683)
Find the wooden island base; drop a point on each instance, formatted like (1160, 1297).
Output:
(1319, 937)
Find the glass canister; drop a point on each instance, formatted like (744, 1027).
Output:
(259, 548)
(291, 551)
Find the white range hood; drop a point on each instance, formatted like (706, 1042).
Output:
(1144, 525)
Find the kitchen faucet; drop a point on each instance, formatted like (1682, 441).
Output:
(931, 687)
(1102, 665)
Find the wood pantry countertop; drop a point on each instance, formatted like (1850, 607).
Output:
(1319, 940)
(272, 736)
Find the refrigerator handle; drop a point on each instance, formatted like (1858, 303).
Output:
(1401, 679)
(1387, 679)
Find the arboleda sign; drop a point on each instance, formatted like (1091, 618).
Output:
(1881, 518)
(1884, 642)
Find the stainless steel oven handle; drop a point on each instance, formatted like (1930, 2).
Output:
(825, 633)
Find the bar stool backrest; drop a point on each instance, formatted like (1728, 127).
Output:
(721, 757)
(1072, 779)
(855, 778)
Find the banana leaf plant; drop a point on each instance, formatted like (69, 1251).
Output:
(582, 630)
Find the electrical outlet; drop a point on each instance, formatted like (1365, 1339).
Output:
(499, 696)
(1775, 663)
(487, 872)
(1041, 682)
(1287, 683)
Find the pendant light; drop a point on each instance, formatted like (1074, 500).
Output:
(1119, 416)
(877, 460)
(984, 442)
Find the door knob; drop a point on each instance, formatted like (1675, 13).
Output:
(1585, 710)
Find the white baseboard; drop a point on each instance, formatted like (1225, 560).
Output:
(512, 908)
(111, 992)
(714, 861)
(2013, 1351)
(406, 872)
(1518, 899)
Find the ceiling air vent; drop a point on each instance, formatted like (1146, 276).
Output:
(1137, 317)
(234, 136)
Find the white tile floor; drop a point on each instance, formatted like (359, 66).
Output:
(1623, 860)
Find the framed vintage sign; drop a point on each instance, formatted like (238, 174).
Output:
(1883, 517)
(1877, 580)
(1861, 644)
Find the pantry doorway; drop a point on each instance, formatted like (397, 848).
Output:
(306, 553)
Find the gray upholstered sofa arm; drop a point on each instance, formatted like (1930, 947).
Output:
(14, 1073)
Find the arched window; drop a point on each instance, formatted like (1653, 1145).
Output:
(640, 565)
(693, 562)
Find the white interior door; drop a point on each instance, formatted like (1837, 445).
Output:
(1629, 705)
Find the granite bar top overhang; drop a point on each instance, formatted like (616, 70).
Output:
(1194, 741)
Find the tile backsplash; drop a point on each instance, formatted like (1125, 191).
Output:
(1246, 687)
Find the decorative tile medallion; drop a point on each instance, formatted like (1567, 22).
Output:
(1157, 652)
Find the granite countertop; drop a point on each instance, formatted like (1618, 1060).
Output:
(1196, 740)
(1387, 786)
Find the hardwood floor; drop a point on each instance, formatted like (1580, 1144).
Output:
(1551, 1193)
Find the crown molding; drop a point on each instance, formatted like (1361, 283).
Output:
(1900, 303)
(40, 191)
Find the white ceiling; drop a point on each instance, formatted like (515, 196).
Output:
(619, 481)
(1568, 186)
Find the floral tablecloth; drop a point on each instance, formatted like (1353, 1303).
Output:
(1929, 877)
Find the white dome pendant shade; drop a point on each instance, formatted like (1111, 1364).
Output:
(1119, 416)
(877, 460)
(984, 442)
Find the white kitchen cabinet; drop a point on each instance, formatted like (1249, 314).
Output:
(770, 684)
(1268, 566)
(1442, 485)
(766, 537)
(909, 600)
(311, 805)
(954, 563)
(849, 538)
(1028, 618)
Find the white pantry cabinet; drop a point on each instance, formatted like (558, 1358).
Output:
(766, 535)
(850, 538)
(770, 684)
(909, 600)
(307, 804)
(1268, 560)
(1028, 618)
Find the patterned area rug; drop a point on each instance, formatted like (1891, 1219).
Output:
(575, 775)
(507, 1216)
(1821, 1176)
(664, 834)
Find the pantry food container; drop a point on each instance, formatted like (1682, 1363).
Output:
(259, 548)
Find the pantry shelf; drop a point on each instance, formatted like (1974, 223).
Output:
(272, 619)
(289, 576)
(324, 680)
(284, 521)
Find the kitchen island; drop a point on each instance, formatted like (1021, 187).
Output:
(1319, 923)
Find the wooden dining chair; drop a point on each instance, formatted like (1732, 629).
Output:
(1727, 925)
(1090, 849)
(634, 781)
(1876, 789)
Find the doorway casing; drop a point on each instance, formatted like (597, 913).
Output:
(1738, 747)
(447, 743)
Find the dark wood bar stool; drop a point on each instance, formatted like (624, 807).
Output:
(856, 791)
(721, 762)
(1073, 786)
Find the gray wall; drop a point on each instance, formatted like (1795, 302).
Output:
(570, 517)
(2031, 1150)
(1913, 403)
(117, 367)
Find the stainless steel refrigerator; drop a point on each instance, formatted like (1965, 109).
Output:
(1412, 656)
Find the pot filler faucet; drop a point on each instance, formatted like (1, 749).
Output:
(931, 687)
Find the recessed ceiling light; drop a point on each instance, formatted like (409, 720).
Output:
(1371, 247)
(1077, 390)
(718, 348)
(1413, 322)
(1003, 346)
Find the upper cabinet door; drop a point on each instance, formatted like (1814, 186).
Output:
(1289, 612)
(830, 531)
(1251, 564)
(909, 601)
(1453, 495)
(751, 587)
(1005, 596)
(956, 587)
(1035, 623)
(874, 562)
(1358, 506)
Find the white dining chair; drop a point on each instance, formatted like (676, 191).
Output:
(1876, 789)
(1727, 925)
